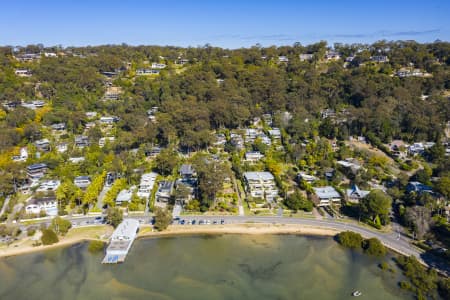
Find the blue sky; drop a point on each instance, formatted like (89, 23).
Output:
(230, 24)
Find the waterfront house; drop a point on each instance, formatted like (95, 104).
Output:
(124, 196)
(325, 196)
(49, 205)
(164, 192)
(146, 185)
(261, 185)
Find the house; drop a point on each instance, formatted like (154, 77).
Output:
(182, 61)
(34, 104)
(22, 72)
(398, 149)
(354, 195)
(306, 56)
(164, 192)
(409, 72)
(328, 113)
(275, 133)
(124, 196)
(416, 148)
(158, 66)
(109, 120)
(49, 205)
(146, 185)
(221, 140)
(50, 54)
(82, 181)
(267, 118)
(418, 187)
(62, 147)
(42, 145)
(23, 156)
(190, 185)
(283, 59)
(350, 164)
(141, 72)
(48, 185)
(76, 160)
(154, 152)
(261, 185)
(237, 140)
(58, 126)
(36, 171)
(332, 55)
(112, 93)
(379, 58)
(325, 196)
(305, 177)
(81, 141)
(27, 57)
(91, 114)
(102, 141)
(186, 171)
(329, 173)
(253, 156)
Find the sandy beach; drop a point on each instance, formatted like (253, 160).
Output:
(78, 235)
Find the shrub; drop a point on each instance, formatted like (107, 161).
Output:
(350, 239)
(31, 232)
(96, 246)
(374, 247)
(49, 237)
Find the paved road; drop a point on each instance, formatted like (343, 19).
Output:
(392, 240)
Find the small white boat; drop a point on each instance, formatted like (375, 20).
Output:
(356, 294)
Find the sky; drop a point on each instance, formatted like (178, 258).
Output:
(229, 24)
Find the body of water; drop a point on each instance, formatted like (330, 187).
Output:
(202, 267)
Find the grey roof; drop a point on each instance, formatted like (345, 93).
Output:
(258, 176)
(356, 192)
(326, 192)
(186, 170)
(124, 196)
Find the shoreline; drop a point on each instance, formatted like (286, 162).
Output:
(180, 230)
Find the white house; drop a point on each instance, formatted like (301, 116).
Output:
(307, 56)
(23, 72)
(49, 185)
(253, 156)
(158, 66)
(109, 120)
(82, 181)
(48, 205)
(261, 185)
(146, 185)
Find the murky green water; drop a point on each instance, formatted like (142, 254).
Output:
(202, 267)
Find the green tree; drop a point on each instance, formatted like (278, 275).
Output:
(60, 225)
(297, 201)
(49, 237)
(163, 218)
(114, 216)
(350, 239)
(374, 247)
(166, 161)
(376, 205)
